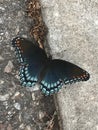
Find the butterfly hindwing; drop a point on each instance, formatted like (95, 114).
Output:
(50, 83)
(59, 72)
(26, 79)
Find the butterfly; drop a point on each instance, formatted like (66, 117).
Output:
(36, 67)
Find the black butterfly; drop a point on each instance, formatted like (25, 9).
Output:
(36, 67)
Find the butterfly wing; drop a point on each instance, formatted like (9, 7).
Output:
(59, 72)
(31, 59)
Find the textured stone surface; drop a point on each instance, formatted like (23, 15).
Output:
(73, 32)
(20, 108)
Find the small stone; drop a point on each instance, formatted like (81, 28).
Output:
(9, 112)
(22, 126)
(4, 97)
(31, 89)
(28, 127)
(17, 106)
(33, 96)
(20, 117)
(17, 30)
(9, 127)
(1, 8)
(9, 67)
(37, 103)
(1, 58)
(6, 34)
(22, 94)
(1, 82)
(1, 34)
(16, 95)
(17, 76)
(20, 13)
(5, 103)
(25, 36)
(41, 115)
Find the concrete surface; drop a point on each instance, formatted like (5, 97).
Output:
(20, 108)
(73, 30)
(73, 36)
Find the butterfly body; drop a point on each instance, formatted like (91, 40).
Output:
(36, 67)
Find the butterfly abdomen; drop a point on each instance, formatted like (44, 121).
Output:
(44, 69)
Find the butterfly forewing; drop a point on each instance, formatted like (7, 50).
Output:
(28, 51)
(31, 58)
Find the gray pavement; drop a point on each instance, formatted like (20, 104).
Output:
(20, 108)
(73, 30)
(73, 36)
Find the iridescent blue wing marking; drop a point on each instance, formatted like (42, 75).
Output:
(60, 72)
(31, 59)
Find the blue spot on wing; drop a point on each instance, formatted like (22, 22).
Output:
(51, 83)
(25, 81)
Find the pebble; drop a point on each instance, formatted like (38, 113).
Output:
(20, 117)
(41, 115)
(1, 82)
(1, 8)
(4, 97)
(28, 127)
(17, 106)
(5, 103)
(31, 89)
(17, 30)
(2, 33)
(9, 127)
(9, 112)
(20, 13)
(16, 95)
(7, 34)
(33, 96)
(9, 67)
(1, 58)
(22, 126)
